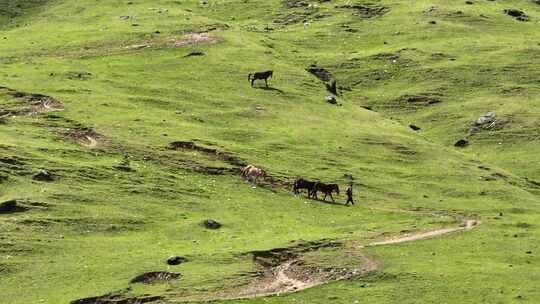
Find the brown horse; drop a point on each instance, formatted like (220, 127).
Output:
(261, 76)
(252, 173)
(304, 184)
(327, 189)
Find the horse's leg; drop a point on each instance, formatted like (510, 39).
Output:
(333, 201)
(252, 80)
(266, 82)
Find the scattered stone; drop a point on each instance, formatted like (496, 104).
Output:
(487, 118)
(211, 224)
(44, 176)
(78, 75)
(366, 11)
(330, 99)
(196, 53)
(517, 14)
(176, 260)
(430, 9)
(461, 143)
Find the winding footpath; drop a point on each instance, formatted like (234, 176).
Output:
(282, 283)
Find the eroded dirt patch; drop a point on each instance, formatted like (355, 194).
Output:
(319, 72)
(195, 38)
(366, 11)
(420, 100)
(155, 277)
(283, 270)
(188, 39)
(223, 156)
(28, 103)
(117, 299)
(84, 136)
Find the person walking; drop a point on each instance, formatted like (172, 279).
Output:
(349, 195)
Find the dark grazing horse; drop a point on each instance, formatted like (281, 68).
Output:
(261, 76)
(303, 184)
(327, 189)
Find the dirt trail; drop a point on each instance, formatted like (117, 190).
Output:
(280, 281)
(469, 224)
(293, 275)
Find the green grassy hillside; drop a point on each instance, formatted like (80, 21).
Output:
(95, 92)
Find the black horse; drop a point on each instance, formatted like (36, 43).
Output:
(304, 184)
(327, 189)
(261, 76)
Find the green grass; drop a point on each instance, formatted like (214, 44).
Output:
(102, 226)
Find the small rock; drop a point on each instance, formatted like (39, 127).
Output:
(44, 176)
(414, 127)
(211, 224)
(196, 53)
(517, 14)
(485, 119)
(176, 260)
(461, 143)
(330, 99)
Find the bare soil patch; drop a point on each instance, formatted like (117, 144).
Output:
(155, 277)
(84, 136)
(223, 156)
(117, 299)
(30, 103)
(194, 39)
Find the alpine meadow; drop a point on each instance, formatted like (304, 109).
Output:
(277, 151)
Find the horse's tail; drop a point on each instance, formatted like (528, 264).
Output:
(249, 77)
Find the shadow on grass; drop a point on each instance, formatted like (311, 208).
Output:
(323, 201)
(270, 89)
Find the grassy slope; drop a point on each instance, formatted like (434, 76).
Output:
(104, 226)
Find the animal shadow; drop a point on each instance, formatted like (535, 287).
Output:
(270, 89)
